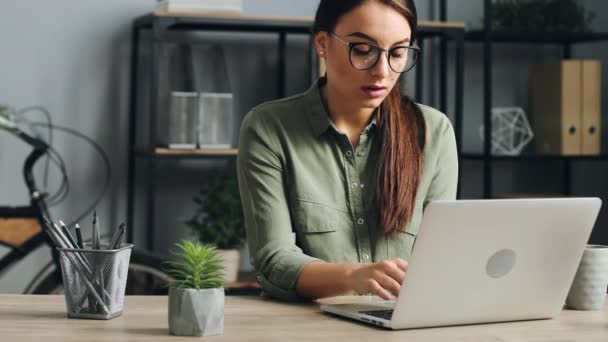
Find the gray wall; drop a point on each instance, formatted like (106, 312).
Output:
(72, 57)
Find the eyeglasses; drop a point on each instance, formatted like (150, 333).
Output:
(364, 56)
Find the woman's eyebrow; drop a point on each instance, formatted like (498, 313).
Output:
(365, 36)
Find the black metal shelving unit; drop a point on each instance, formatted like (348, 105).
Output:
(159, 24)
(488, 37)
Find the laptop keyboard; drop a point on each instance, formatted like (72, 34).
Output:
(385, 314)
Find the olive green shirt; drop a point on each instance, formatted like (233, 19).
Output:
(308, 195)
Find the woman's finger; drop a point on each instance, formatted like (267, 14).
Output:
(389, 284)
(390, 268)
(378, 290)
(402, 264)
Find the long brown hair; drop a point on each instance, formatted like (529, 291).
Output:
(401, 124)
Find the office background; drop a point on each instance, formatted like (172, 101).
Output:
(72, 57)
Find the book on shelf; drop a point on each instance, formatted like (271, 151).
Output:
(565, 99)
(200, 6)
(591, 98)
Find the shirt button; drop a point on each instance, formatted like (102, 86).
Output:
(365, 257)
(360, 221)
(259, 278)
(362, 186)
(349, 153)
(361, 154)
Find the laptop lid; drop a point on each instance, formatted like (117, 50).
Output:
(479, 261)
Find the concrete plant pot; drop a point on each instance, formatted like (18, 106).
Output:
(195, 312)
(231, 263)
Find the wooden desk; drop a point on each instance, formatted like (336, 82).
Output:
(43, 319)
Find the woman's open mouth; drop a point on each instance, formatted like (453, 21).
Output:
(374, 91)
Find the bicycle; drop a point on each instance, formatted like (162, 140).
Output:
(23, 230)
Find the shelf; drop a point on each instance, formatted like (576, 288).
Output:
(246, 18)
(232, 15)
(167, 153)
(537, 37)
(478, 156)
(246, 22)
(161, 27)
(227, 22)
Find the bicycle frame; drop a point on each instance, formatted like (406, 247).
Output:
(28, 228)
(23, 230)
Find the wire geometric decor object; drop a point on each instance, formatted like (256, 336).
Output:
(511, 131)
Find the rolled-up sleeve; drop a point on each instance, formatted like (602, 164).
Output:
(273, 251)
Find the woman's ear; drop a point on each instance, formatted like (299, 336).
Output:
(321, 44)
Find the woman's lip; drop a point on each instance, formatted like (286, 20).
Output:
(374, 87)
(373, 91)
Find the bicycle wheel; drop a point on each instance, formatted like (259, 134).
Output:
(145, 277)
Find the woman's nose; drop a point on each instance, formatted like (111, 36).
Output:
(382, 68)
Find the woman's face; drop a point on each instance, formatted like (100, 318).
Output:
(373, 23)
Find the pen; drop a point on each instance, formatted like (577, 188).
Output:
(79, 236)
(120, 237)
(118, 240)
(96, 235)
(68, 235)
(115, 242)
(65, 242)
(51, 233)
(97, 246)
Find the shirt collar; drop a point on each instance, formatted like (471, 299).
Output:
(318, 116)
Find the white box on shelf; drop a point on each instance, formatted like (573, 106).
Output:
(215, 121)
(183, 120)
(200, 5)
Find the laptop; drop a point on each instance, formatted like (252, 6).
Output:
(483, 261)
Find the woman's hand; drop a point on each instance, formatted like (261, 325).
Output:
(382, 278)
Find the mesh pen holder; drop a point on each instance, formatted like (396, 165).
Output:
(94, 281)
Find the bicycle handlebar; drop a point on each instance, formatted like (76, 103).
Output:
(7, 124)
(40, 149)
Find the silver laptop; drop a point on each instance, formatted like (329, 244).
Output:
(481, 261)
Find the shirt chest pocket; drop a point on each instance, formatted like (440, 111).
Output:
(324, 232)
(311, 217)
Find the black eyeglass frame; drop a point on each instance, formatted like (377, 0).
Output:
(352, 45)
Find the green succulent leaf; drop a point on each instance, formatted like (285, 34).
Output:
(196, 266)
(541, 16)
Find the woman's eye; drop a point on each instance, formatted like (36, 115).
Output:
(399, 53)
(362, 49)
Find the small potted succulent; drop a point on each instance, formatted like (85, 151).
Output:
(218, 219)
(196, 294)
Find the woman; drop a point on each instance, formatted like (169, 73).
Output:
(333, 181)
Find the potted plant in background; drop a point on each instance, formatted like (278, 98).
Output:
(196, 295)
(218, 219)
(541, 16)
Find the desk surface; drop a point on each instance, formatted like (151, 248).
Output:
(43, 319)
